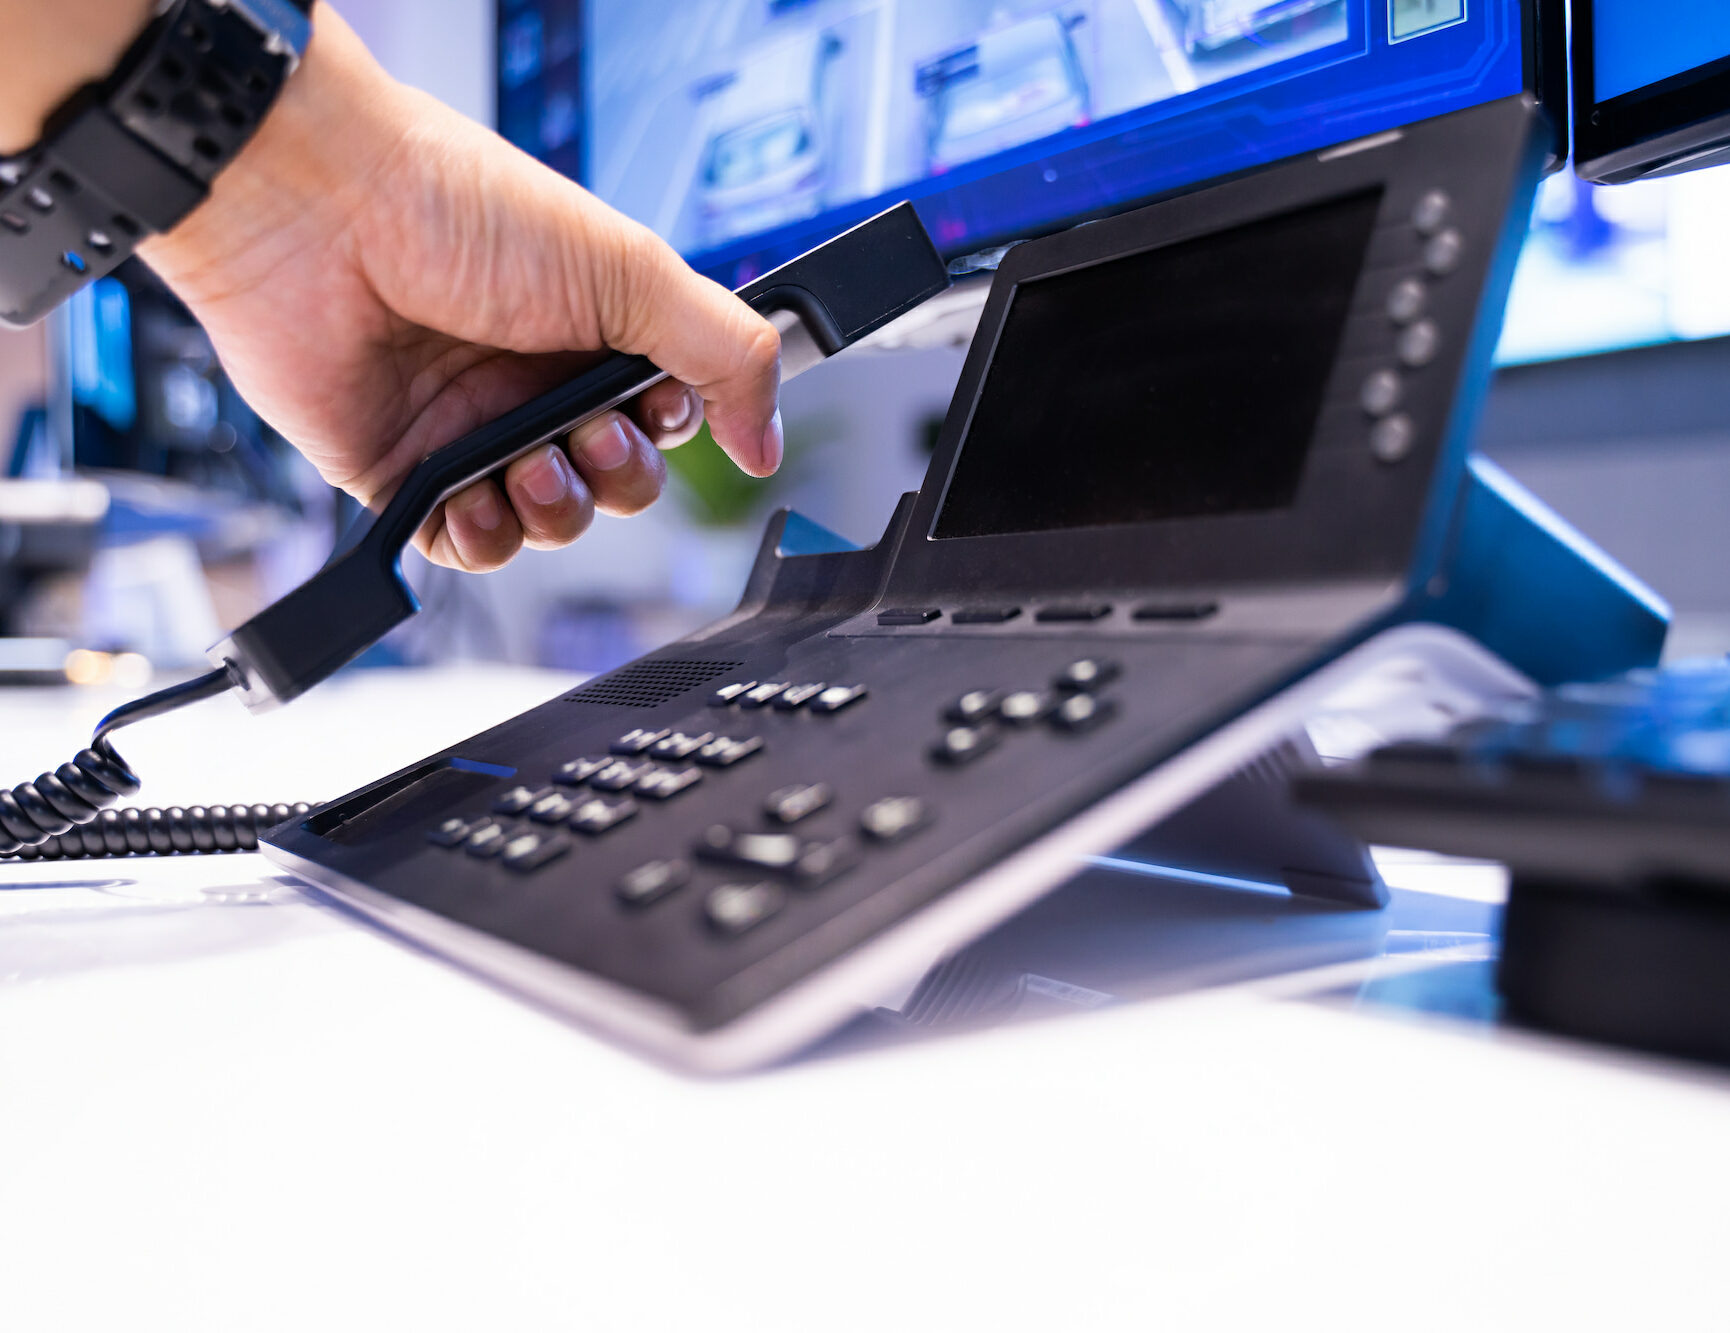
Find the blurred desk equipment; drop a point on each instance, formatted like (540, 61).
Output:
(1651, 87)
(1610, 803)
(47, 528)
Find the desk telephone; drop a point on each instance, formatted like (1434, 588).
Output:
(1205, 467)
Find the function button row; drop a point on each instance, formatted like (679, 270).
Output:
(788, 805)
(787, 697)
(486, 839)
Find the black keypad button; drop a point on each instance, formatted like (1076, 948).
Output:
(728, 694)
(1087, 673)
(486, 838)
(1175, 610)
(837, 697)
(984, 615)
(530, 851)
(637, 740)
(575, 772)
(653, 881)
(450, 831)
(1074, 611)
(1082, 712)
(974, 706)
(680, 744)
(724, 751)
(908, 615)
(894, 818)
(553, 808)
(597, 814)
(821, 862)
(761, 695)
(789, 805)
(1022, 708)
(962, 745)
(797, 696)
(517, 800)
(665, 783)
(733, 909)
(760, 851)
(620, 775)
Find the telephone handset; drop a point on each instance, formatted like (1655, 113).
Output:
(823, 301)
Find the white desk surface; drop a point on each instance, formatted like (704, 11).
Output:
(225, 1106)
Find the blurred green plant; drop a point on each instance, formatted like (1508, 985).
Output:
(717, 495)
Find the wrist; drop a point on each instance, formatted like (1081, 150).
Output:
(323, 140)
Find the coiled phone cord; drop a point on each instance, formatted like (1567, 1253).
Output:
(64, 814)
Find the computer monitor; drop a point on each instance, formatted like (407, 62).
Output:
(747, 131)
(1630, 251)
(1651, 87)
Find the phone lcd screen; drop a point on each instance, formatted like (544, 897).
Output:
(1177, 382)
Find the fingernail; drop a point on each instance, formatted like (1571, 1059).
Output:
(610, 449)
(772, 443)
(549, 481)
(676, 416)
(484, 510)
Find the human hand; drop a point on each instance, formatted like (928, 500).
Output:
(380, 275)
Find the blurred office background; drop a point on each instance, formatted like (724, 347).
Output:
(143, 507)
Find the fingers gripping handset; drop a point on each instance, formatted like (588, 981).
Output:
(821, 302)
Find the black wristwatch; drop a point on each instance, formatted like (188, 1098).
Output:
(137, 152)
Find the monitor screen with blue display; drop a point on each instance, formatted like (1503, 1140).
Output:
(745, 131)
(1639, 44)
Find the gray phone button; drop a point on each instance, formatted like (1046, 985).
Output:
(1381, 393)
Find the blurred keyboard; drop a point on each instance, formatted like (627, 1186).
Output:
(1590, 783)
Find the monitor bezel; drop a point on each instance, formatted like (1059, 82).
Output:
(1677, 124)
(1544, 45)
(1399, 513)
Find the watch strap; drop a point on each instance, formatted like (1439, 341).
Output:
(136, 153)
